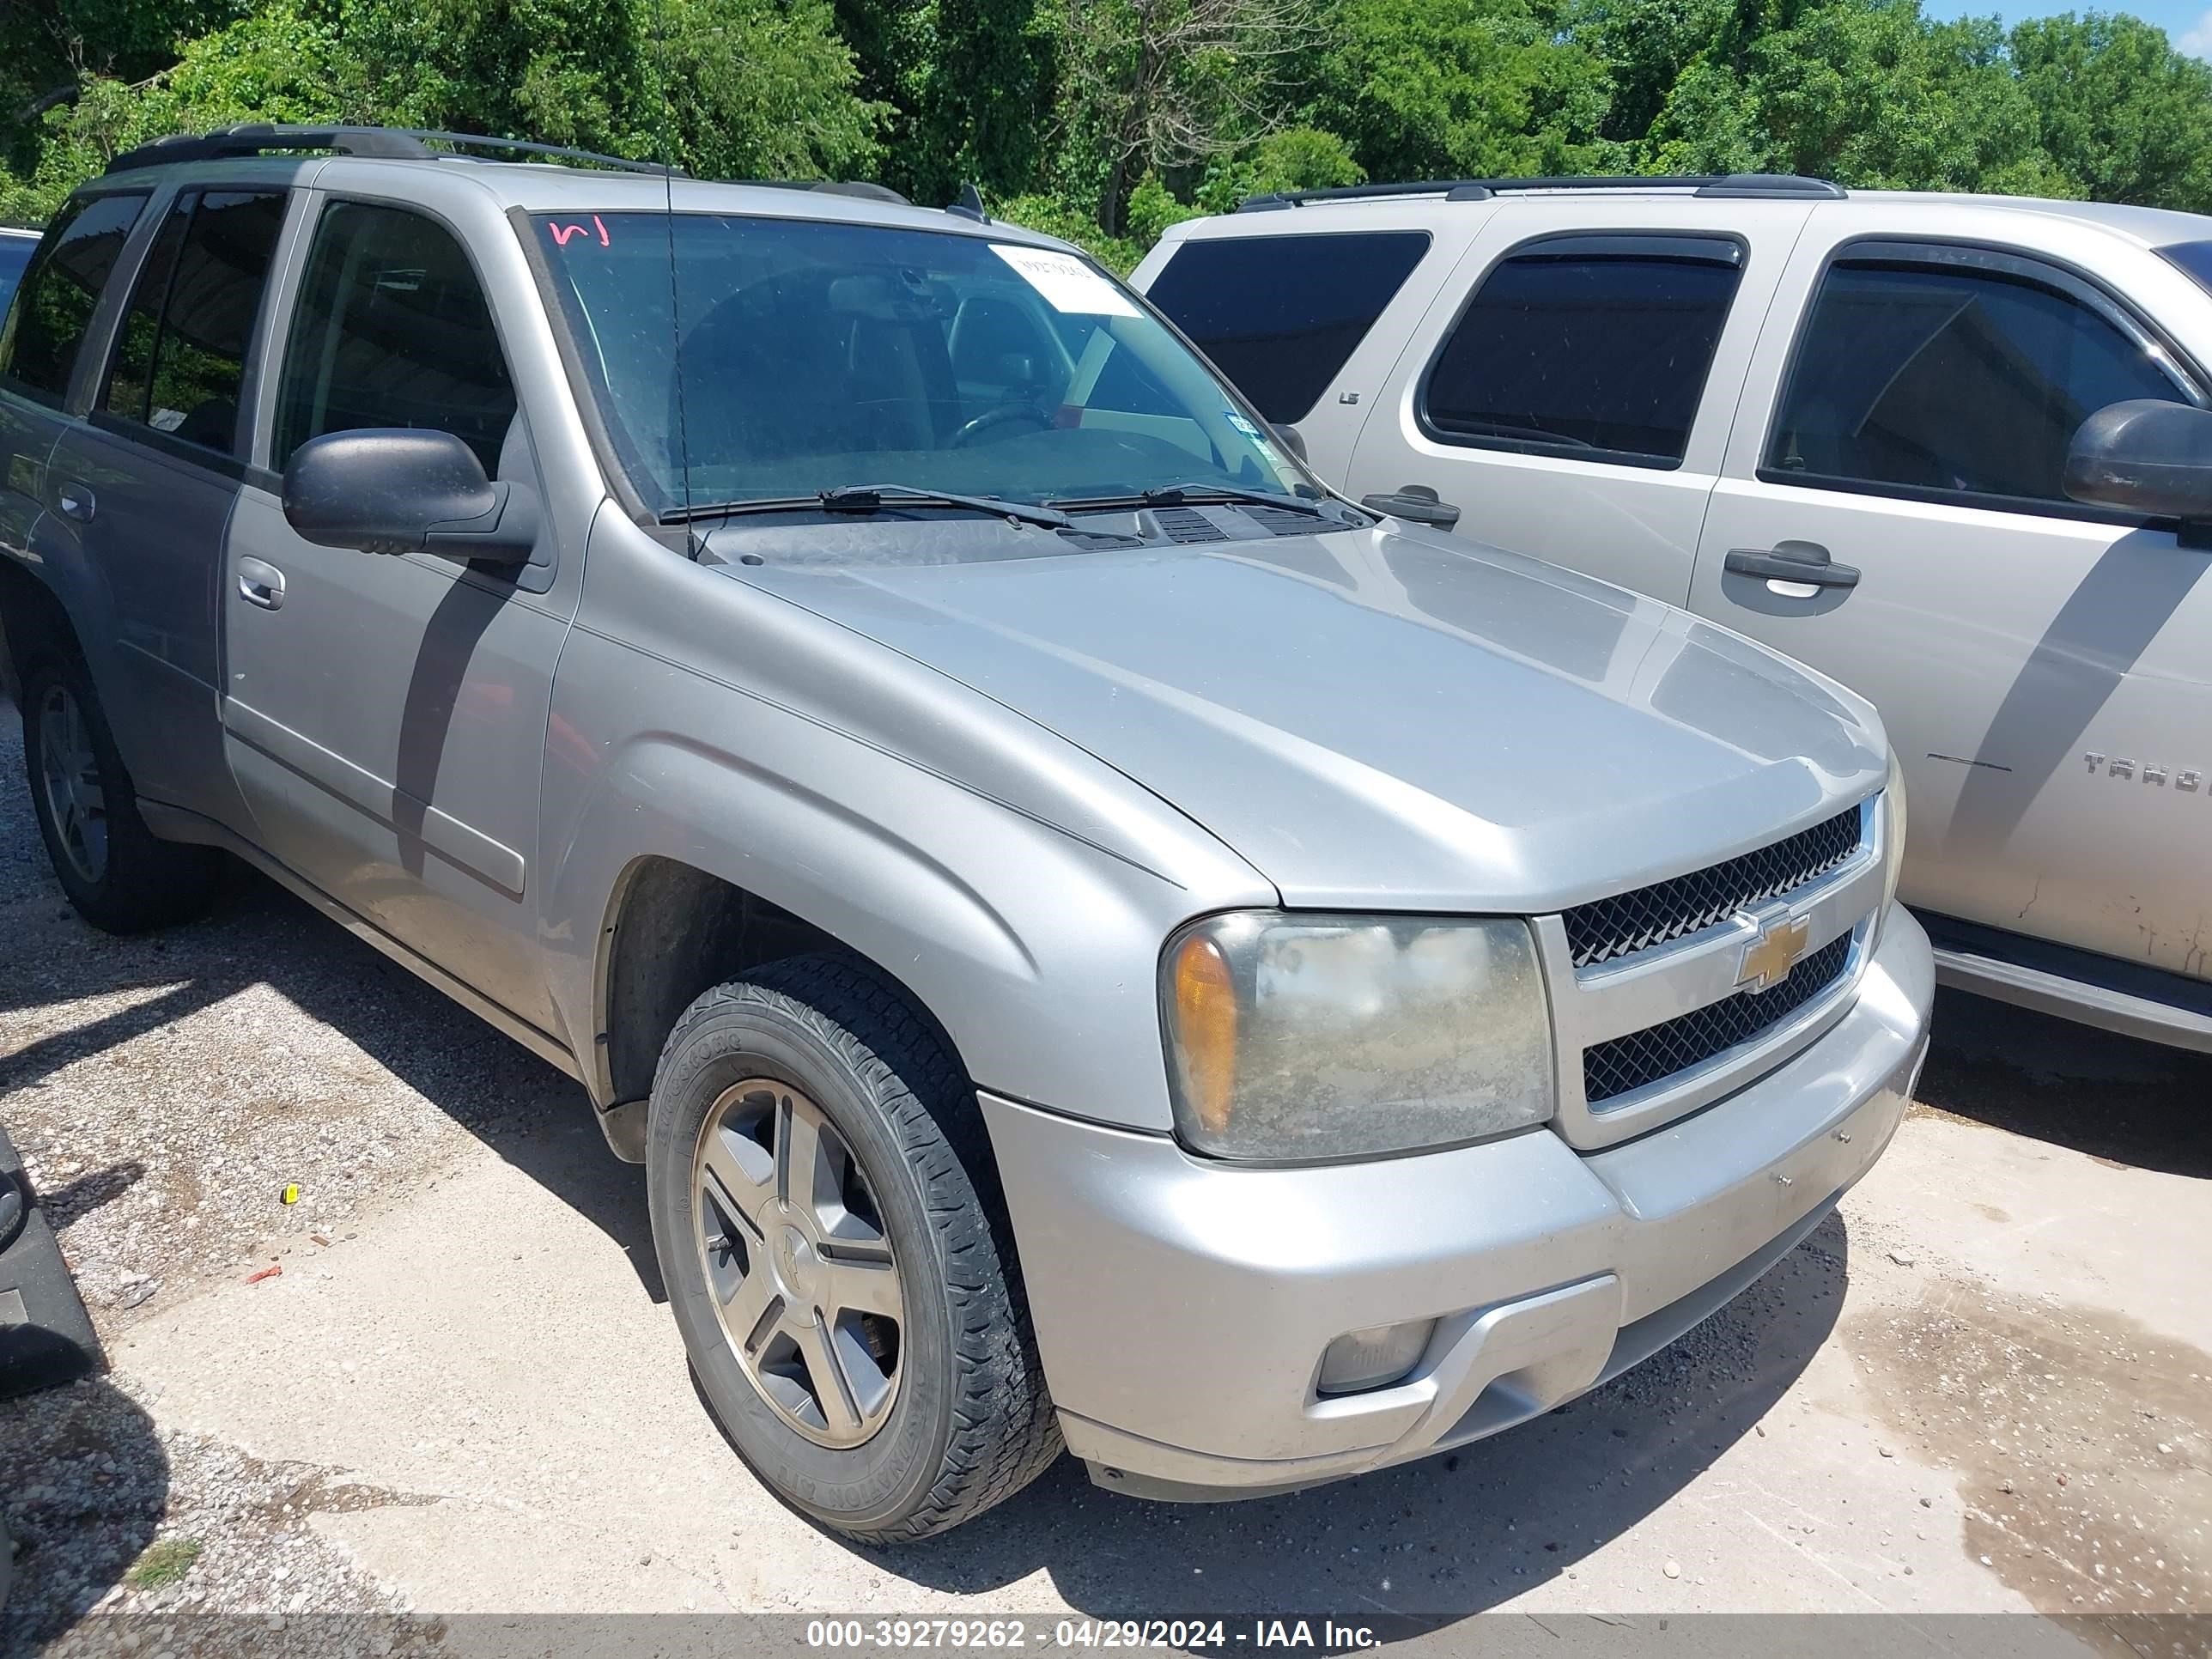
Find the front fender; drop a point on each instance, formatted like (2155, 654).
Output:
(1034, 946)
(48, 555)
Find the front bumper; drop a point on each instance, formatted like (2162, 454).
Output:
(1182, 1307)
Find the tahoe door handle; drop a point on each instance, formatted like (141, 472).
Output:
(1792, 561)
(261, 583)
(76, 502)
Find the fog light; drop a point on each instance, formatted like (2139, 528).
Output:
(1360, 1360)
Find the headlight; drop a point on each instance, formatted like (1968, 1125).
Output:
(1298, 1037)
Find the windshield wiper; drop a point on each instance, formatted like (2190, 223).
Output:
(874, 498)
(1196, 495)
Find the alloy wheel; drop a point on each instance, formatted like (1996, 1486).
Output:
(76, 802)
(802, 1271)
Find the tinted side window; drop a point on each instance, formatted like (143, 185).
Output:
(180, 360)
(54, 307)
(392, 330)
(15, 254)
(1596, 346)
(1281, 315)
(131, 373)
(2194, 258)
(1951, 379)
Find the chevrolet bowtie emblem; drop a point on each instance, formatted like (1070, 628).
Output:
(1768, 959)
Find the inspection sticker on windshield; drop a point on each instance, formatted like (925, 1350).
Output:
(1065, 283)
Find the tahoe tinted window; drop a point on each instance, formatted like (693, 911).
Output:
(1952, 379)
(2195, 258)
(1591, 346)
(47, 323)
(392, 330)
(1281, 315)
(180, 355)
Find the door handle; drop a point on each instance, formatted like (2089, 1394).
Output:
(1416, 502)
(261, 583)
(1791, 561)
(76, 502)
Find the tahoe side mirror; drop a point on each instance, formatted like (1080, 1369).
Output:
(399, 490)
(2147, 456)
(1415, 503)
(1291, 439)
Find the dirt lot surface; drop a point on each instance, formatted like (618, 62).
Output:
(1985, 1386)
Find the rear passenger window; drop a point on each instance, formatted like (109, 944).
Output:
(53, 309)
(392, 330)
(1951, 379)
(1281, 315)
(179, 360)
(1595, 347)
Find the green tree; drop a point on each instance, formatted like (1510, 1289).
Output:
(49, 48)
(762, 89)
(978, 102)
(1158, 86)
(1645, 46)
(1297, 158)
(748, 88)
(279, 65)
(1457, 88)
(2121, 115)
(1872, 94)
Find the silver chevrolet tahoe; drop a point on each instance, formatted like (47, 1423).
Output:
(1094, 939)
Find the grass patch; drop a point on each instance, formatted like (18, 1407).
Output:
(164, 1563)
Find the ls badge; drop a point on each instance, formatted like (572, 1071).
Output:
(1768, 959)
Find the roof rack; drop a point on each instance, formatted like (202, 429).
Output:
(415, 144)
(388, 144)
(1739, 185)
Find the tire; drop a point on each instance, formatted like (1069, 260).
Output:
(915, 1422)
(119, 876)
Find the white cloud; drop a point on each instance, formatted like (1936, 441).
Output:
(2197, 39)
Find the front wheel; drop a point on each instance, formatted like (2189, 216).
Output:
(119, 877)
(826, 1218)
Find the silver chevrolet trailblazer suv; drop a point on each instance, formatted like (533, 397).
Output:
(1956, 450)
(1093, 938)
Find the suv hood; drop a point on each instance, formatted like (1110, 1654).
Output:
(1377, 719)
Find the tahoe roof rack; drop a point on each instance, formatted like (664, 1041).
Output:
(1481, 189)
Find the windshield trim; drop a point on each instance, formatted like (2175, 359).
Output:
(584, 397)
(630, 480)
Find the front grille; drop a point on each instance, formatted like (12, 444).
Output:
(1628, 1063)
(1608, 927)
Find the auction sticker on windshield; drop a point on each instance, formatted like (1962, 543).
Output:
(1065, 283)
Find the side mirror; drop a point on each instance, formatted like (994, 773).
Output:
(1415, 503)
(2147, 456)
(395, 491)
(1291, 439)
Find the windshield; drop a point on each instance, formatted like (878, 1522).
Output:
(819, 355)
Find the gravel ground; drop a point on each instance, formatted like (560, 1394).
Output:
(167, 1092)
(164, 1092)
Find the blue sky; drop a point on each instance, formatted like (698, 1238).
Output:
(2187, 21)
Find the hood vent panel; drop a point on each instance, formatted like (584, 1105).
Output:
(1185, 526)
